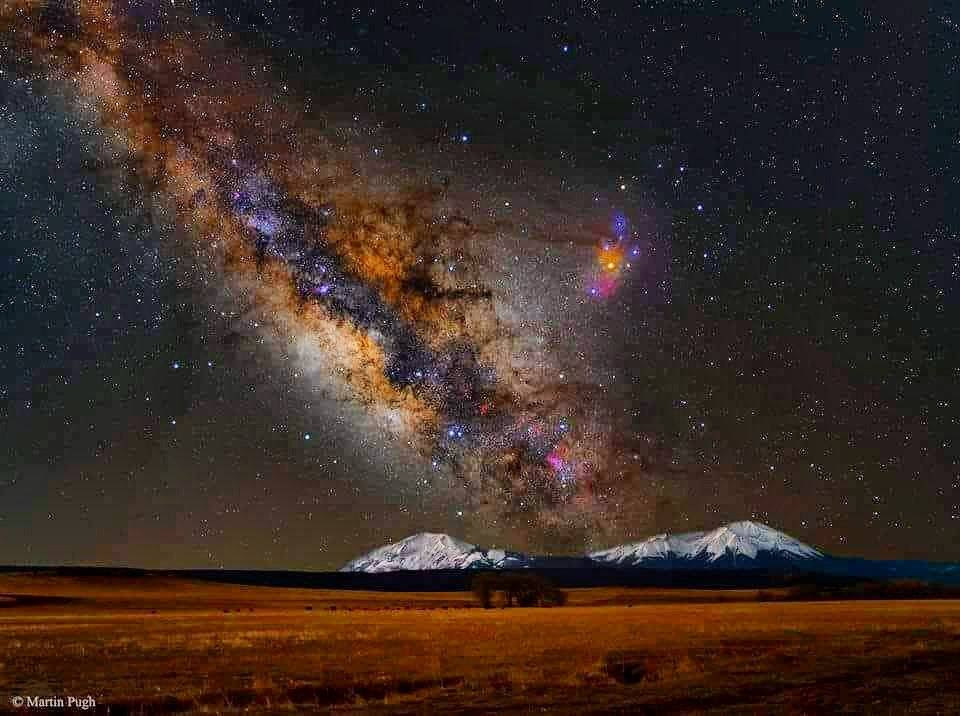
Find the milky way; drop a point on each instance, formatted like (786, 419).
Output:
(282, 281)
(387, 290)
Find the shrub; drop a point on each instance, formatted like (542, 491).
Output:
(625, 667)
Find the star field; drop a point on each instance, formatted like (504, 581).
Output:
(286, 280)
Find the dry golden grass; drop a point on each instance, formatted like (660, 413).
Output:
(171, 645)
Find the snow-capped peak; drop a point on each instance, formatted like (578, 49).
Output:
(738, 544)
(661, 546)
(737, 541)
(749, 539)
(429, 550)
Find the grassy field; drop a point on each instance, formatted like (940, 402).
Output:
(166, 645)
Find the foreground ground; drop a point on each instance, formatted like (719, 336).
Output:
(142, 645)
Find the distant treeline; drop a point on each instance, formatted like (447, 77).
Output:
(894, 589)
(460, 580)
(795, 585)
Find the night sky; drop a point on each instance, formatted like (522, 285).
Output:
(284, 281)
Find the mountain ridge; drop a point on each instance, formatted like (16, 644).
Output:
(740, 543)
(735, 541)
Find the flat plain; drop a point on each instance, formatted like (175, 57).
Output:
(150, 644)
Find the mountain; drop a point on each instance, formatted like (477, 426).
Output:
(739, 548)
(429, 551)
(738, 544)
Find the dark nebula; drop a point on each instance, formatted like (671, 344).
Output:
(288, 280)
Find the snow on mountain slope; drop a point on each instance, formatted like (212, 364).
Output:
(430, 550)
(750, 539)
(658, 547)
(737, 544)
(738, 541)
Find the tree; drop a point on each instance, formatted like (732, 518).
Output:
(524, 589)
(482, 590)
